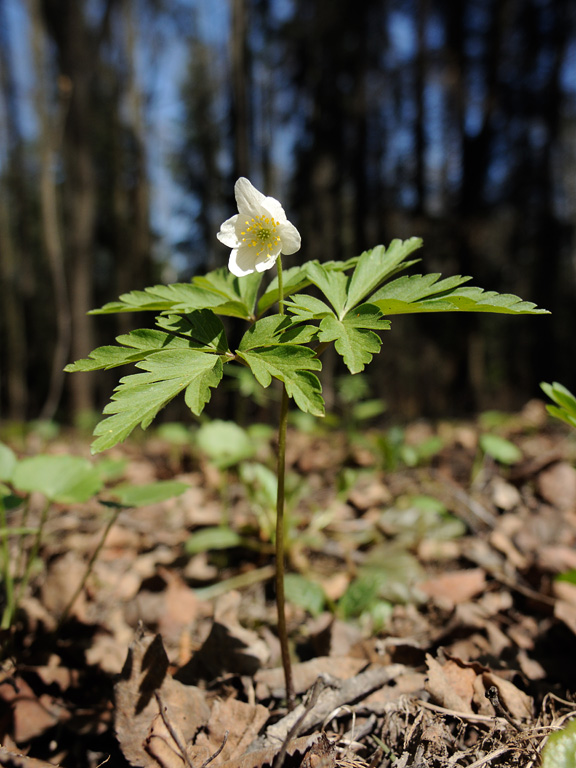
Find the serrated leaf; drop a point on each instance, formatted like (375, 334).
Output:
(276, 329)
(65, 479)
(308, 307)
(353, 337)
(427, 293)
(292, 365)
(152, 493)
(265, 332)
(136, 346)
(376, 265)
(333, 285)
(178, 297)
(103, 358)
(202, 327)
(237, 296)
(140, 396)
(294, 279)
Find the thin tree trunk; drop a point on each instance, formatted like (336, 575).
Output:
(50, 215)
(240, 90)
(13, 353)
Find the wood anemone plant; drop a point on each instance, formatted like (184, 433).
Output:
(187, 349)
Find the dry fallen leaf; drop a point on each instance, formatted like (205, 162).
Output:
(455, 587)
(144, 676)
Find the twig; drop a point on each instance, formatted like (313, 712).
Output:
(318, 686)
(220, 748)
(489, 758)
(494, 699)
(470, 716)
(173, 732)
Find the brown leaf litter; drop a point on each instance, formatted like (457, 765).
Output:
(473, 666)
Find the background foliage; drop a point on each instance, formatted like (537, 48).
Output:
(124, 123)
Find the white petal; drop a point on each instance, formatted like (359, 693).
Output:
(227, 234)
(274, 208)
(241, 261)
(248, 199)
(266, 262)
(289, 237)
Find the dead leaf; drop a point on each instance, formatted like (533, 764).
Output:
(235, 724)
(557, 485)
(456, 586)
(31, 714)
(229, 646)
(515, 701)
(566, 612)
(10, 759)
(145, 674)
(450, 685)
(306, 673)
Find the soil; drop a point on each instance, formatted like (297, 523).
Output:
(432, 608)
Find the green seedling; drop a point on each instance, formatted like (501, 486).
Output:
(286, 326)
(565, 402)
(560, 748)
(62, 480)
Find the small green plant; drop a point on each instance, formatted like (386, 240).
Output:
(565, 402)
(286, 330)
(62, 480)
(560, 749)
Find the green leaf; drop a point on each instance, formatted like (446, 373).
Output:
(235, 296)
(292, 365)
(353, 336)
(8, 462)
(564, 399)
(202, 327)
(140, 396)
(308, 307)
(332, 284)
(218, 290)
(305, 593)
(376, 265)
(560, 749)
(569, 576)
(294, 279)
(224, 442)
(265, 332)
(137, 345)
(426, 293)
(500, 449)
(178, 297)
(276, 329)
(65, 479)
(212, 538)
(151, 493)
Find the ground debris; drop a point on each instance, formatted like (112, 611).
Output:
(485, 613)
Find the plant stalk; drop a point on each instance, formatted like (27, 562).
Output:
(279, 541)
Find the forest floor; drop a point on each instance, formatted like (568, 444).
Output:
(428, 624)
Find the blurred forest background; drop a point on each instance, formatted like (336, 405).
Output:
(124, 123)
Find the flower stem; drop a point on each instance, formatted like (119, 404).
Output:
(280, 599)
(280, 287)
(279, 541)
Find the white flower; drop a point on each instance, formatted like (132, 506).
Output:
(258, 233)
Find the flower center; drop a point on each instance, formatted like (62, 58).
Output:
(260, 233)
